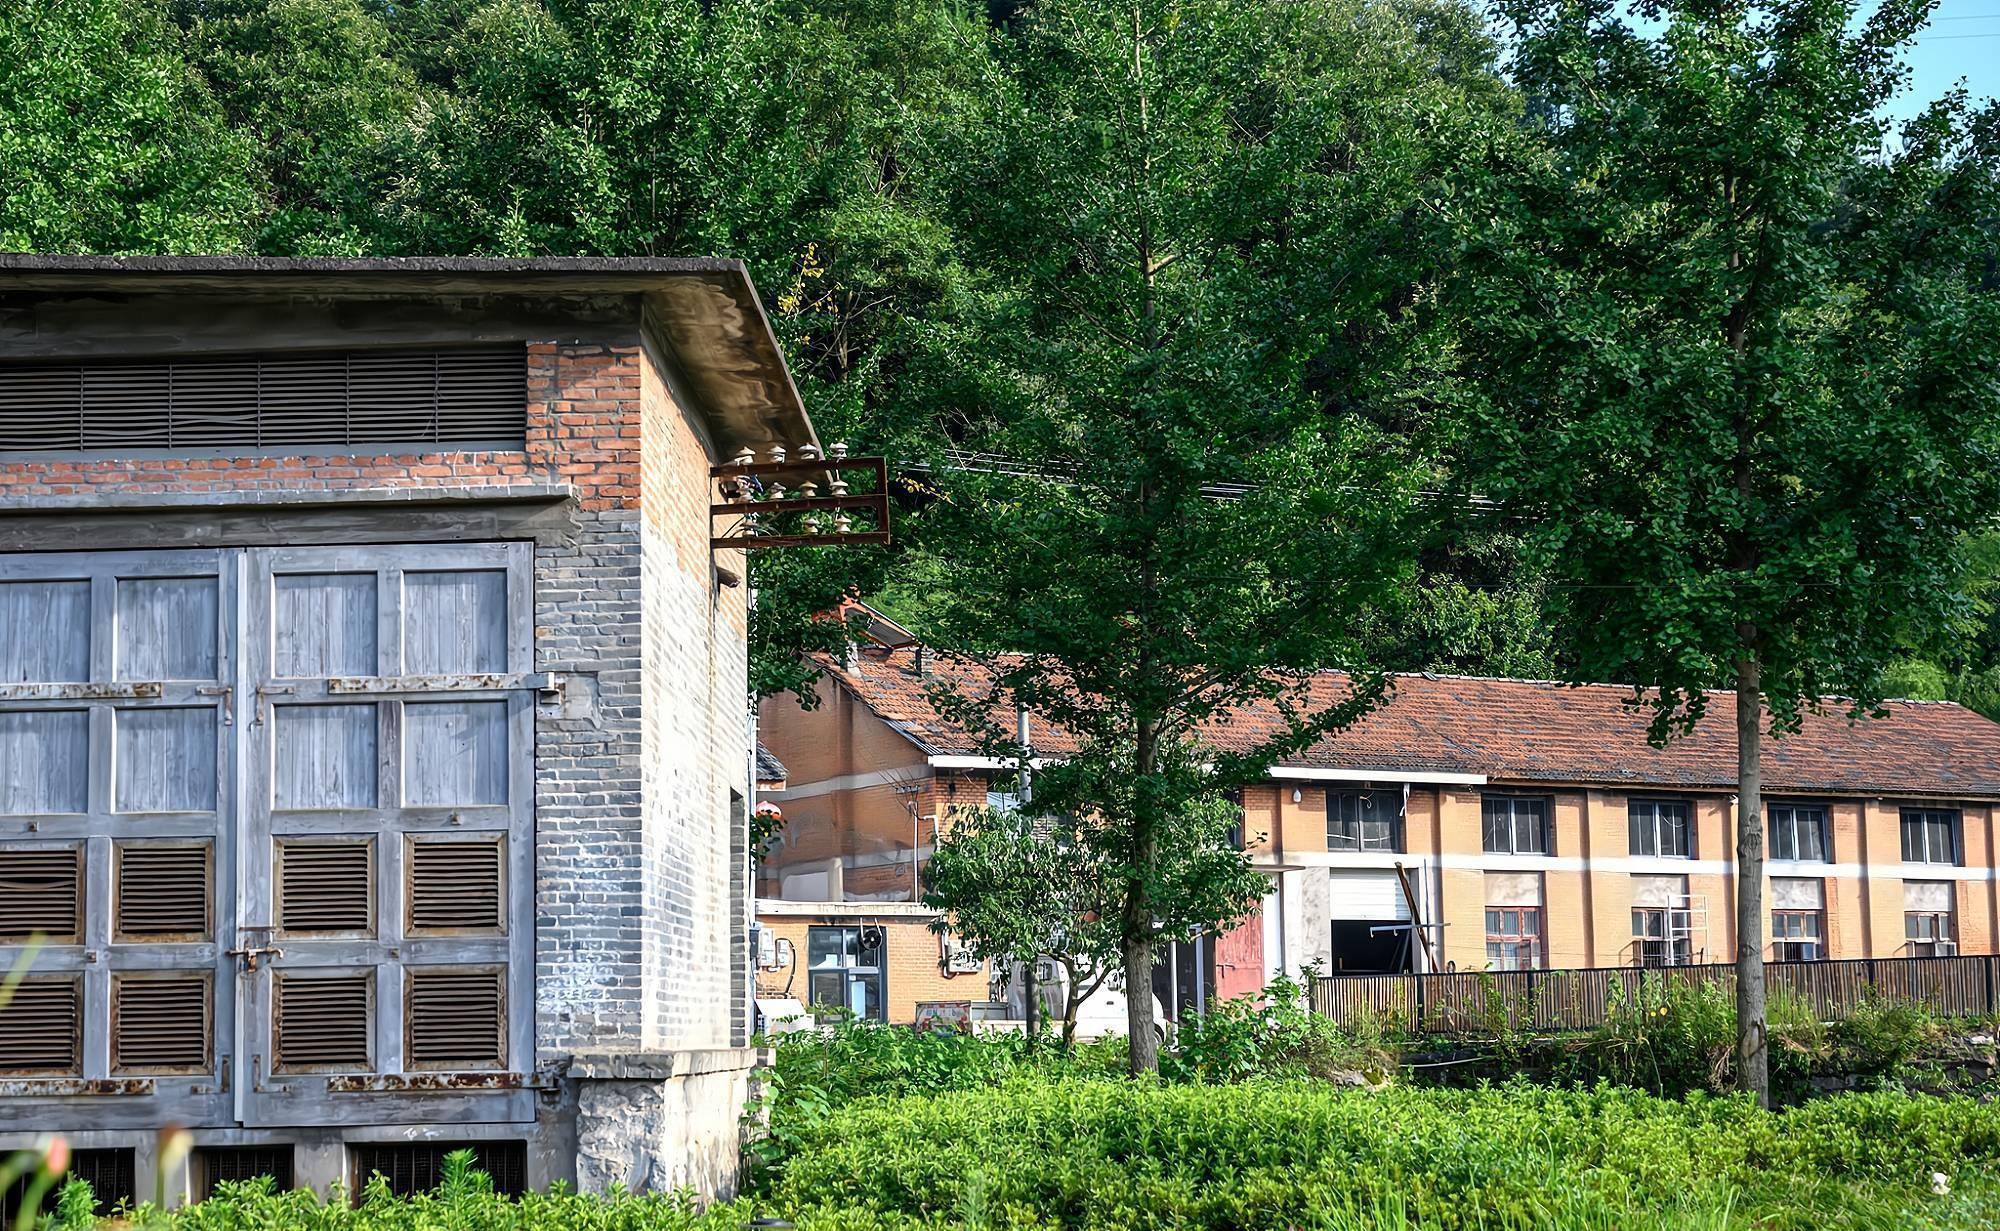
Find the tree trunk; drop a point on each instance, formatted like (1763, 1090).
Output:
(1034, 996)
(1137, 924)
(1753, 1071)
(1145, 1048)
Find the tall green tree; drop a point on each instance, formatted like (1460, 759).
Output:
(109, 141)
(320, 87)
(1167, 408)
(1017, 892)
(1736, 360)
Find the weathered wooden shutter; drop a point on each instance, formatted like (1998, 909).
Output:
(456, 887)
(161, 1025)
(326, 886)
(116, 755)
(165, 890)
(323, 1023)
(458, 1019)
(41, 893)
(41, 1027)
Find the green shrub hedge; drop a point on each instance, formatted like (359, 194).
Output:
(1100, 1155)
(1115, 1155)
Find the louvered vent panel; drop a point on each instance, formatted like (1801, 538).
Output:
(457, 1019)
(44, 407)
(454, 396)
(322, 1023)
(163, 890)
(39, 893)
(40, 1027)
(161, 1025)
(455, 886)
(323, 886)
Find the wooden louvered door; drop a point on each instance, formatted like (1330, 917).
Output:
(389, 835)
(117, 833)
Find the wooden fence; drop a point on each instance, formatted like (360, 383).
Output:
(1580, 999)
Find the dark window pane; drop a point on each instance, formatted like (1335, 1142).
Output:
(1531, 826)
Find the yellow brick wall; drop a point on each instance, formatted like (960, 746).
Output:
(1610, 894)
(1847, 927)
(911, 971)
(1260, 821)
(1464, 911)
(1976, 923)
(1882, 844)
(1432, 823)
(1301, 822)
(1459, 829)
(1566, 920)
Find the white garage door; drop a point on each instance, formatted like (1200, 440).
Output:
(1366, 894)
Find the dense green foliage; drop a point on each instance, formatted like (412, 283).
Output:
(1198, 252)
(1122, 1154)
(1016, 889)
(843, 148)
(958, 1130)
(878, 1127)
(1731, 355)
(1115, 1153)
(1740, 377)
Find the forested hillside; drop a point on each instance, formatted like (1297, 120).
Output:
(875, 162)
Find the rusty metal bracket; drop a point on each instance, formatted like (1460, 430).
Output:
(754, 492)
(228, 694)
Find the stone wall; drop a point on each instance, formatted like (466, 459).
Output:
(662, 1121)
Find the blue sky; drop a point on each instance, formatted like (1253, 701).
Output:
(1963, 42)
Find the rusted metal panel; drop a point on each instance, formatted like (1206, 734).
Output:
(326, 887)
(323, 1023)
(144, 690)
(77, 1087)
(488, 681)
(428, 1083)
(456, 887)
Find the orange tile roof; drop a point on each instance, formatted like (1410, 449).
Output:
(1522, 730)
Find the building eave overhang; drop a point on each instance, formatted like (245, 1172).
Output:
(705, 311)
